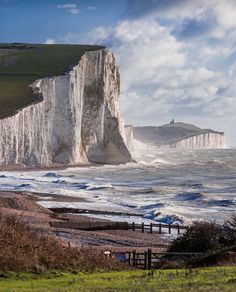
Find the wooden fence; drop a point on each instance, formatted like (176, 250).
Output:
(92, 226)
(149, 260)
(157, 227)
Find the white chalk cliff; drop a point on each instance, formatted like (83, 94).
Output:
(177, 135)
(77, 121)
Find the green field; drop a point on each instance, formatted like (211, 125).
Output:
(22, 64)
(208, 279)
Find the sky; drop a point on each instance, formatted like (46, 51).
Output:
(177, 58)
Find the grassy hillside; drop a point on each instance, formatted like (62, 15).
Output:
(170, 133)
(205, 279)
(22, 64)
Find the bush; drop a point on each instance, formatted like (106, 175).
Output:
(21, 249)
(229, 231)
(199, 237)
(216, 242)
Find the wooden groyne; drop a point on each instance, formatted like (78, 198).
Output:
(96, 225)
(91, 226)
(157, 227)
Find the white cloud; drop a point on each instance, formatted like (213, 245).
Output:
(98, 35)
(70, 7)
(163, 75)
(91, 8)
(225, 12)
(67, 6)
(74, 11)
(49, 41)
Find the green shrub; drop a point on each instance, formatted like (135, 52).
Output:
(199, 237)
(229, 231)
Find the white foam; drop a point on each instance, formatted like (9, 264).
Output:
(146, 188)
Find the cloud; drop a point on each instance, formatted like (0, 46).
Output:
(70, 7)
(177, 59)
(193, 18)
(169, 9)
(99, 35)
(67, 6)
(49, 41)
(91, 8)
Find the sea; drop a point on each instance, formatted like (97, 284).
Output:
(167, 186)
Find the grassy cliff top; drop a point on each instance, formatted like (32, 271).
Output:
(169, 133)
(22, 64)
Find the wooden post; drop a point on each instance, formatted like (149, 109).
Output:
(142, 227)
(134, 257)
(145, 260)
(150, 227)
(133, 226)
(129, 258)
(149, 260)
(178, 229)
(169, 228)
(159, 228)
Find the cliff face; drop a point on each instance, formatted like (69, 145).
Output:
(204, 141)
(208, 140)
(178, 135)
(78, 120)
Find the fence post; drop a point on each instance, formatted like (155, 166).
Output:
(129, 258)
(145, 260)
(149, 259)
(134, 253)
(159, 228)
(150, 227)
(169, 228)
(133, 226)
(142, 227)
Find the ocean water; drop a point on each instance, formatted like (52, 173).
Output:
(169, 186)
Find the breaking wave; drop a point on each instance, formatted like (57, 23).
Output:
(166, 186)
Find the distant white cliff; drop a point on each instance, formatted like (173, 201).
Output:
(174, 135)
(78, 120)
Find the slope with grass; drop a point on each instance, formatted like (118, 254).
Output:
(22, 64)
(59, 106)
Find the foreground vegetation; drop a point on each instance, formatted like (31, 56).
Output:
(22, 64)
(31, 261)
(208, 279)
(23, 249)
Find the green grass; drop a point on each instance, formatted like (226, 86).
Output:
(22, 64)
(205, 279)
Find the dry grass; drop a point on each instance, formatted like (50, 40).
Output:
(21, 249)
